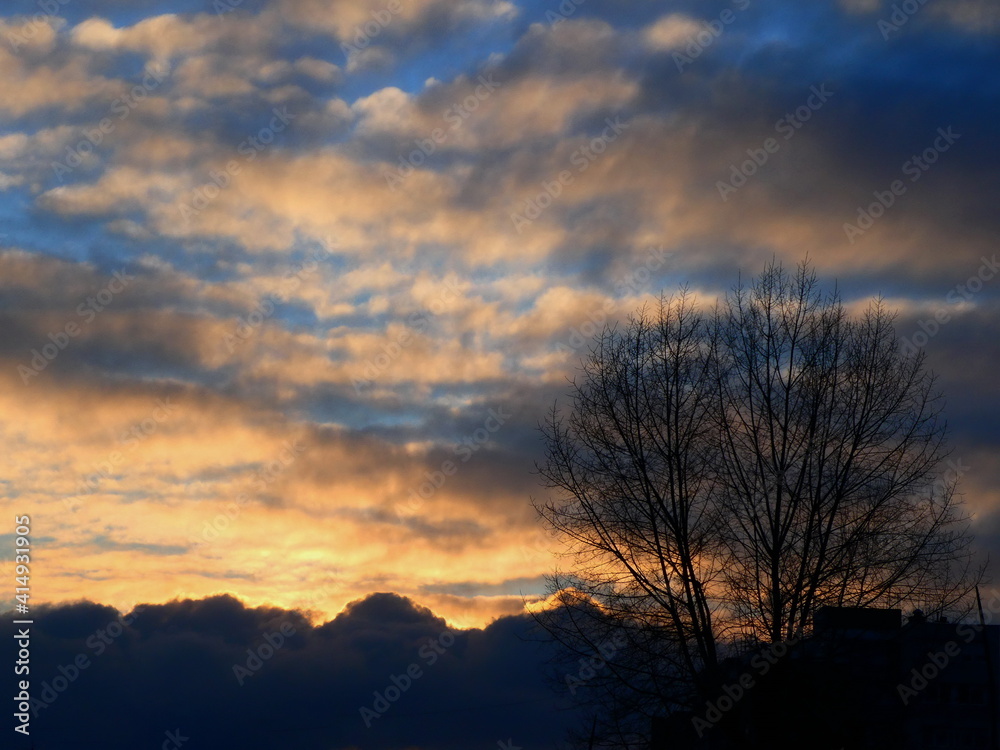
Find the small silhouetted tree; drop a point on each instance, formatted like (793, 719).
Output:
(718, 475)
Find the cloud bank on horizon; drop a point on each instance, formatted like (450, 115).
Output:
(285, 286)
(384, 673)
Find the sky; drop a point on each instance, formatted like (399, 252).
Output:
(286, 286)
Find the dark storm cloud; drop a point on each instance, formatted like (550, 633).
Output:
(124, 681)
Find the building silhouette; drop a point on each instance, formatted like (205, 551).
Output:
(863, 680)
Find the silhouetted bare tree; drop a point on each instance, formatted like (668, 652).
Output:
(719, 475)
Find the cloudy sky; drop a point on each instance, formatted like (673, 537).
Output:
(286, 286)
